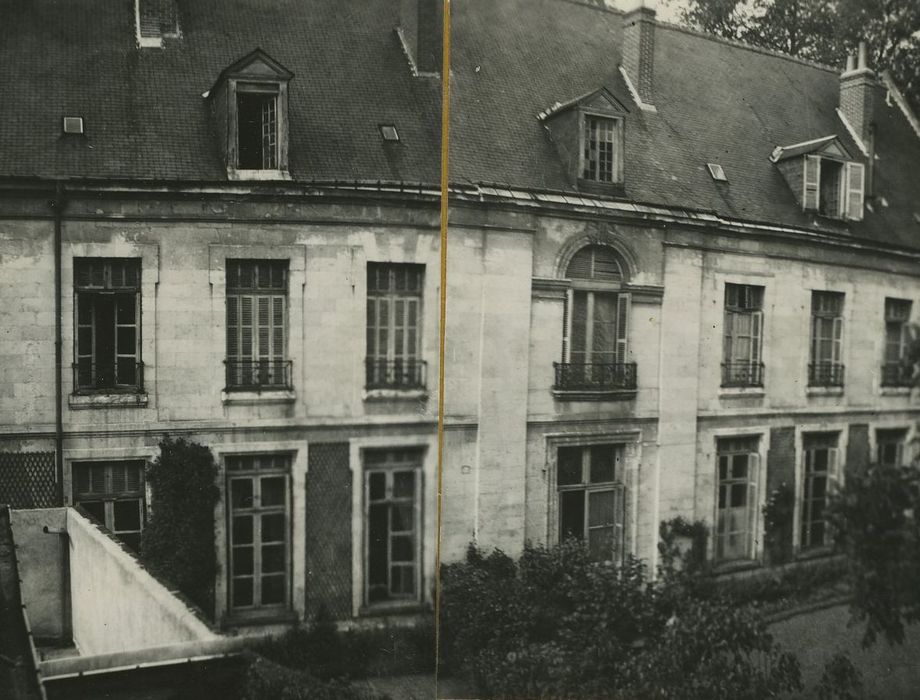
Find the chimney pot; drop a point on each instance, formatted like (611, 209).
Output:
(862, 56)
(857, 94)
(851, 63)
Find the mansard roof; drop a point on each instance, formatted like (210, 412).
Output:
(717, 102)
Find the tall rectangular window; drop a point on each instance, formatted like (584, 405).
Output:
(821, 466)
(113, 493)
(393, 522)
(890, 447)
(591, 495)
(601, 155)
(897, 315)
(736, 521)
(257, 115)
(107, 349)
(259, 532)
(394, 319)
(743, 330)
(826, 366)
(257, 325)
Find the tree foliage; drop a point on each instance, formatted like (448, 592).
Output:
(821, 30)
(178, 542)
(875, 517)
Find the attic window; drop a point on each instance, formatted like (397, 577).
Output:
(717, 172)
(388, 132)
(73, 125)
(602, 158)
(257, 115)
(833, 187)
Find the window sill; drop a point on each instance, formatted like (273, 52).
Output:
(735, 566)
(255, 618)
(594, 394)
(751, 392)
(394, 607)
(114, 400)
(266, 175)
(255, 396)
(896, 390)
(824, 391)
(395, 394)
(814, 553)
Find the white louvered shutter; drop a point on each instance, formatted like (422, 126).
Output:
(855, 191)
(811, 184)
(622, 327)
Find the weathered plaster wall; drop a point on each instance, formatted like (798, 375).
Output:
(42, 569)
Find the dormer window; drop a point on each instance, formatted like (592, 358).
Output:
(250, 102)
(601, 157)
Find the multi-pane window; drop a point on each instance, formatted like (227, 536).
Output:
(821, 466)
(897, 315)
(107, 348)
(826, 366)
(590, 489)
(890, 447)
(394, 318)
(257, 115)
(392, 497)
(113, 493)
(601, 155)
(736, 521)
(834, 188)
(596, 324)
(259, 532)
(256, 324)
(741, 354)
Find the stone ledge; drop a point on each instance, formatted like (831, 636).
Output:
(266, 396)
(594, 395)
(79, 402)
(736, 392)
(395, 395)
(824, 391)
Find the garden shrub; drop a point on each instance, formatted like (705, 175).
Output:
(266, 680)
(556, 624)
(178, 541)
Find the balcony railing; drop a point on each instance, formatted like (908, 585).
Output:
(595, 376)
(121, 376)
(742, 373)
(826, 374)
(255, 374)
(896, 374)
(382, 373)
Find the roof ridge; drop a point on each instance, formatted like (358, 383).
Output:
(737, 43)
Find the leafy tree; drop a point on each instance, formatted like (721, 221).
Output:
(178, 542)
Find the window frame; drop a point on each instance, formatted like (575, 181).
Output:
(833, 475)
(256, 474)
(618, 151)
(851, 188)
(822, 372)
(752, 366)
(752, 482)
(897, 436)
(896, 321)
(109, 495)
(257, 85)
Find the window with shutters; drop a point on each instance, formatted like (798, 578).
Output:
(394, 318)
(826, 367)
(833, 187)
(895, 371)
(257, 127)
(737, 509)
(257, 325)
(393, 522)
(259, 531)
(602, 149)
(108, 307)
(820, 476)
(589, 485)
(890, 448)
(113, 493)
(742, 339)
(595, 353)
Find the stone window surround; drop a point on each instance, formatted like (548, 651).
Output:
(910, 429)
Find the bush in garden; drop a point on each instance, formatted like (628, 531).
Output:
(556, 624)
(178, 541)
(266, 680)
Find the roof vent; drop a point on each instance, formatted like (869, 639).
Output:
(717, 172)
(73, 125)
(388, 132)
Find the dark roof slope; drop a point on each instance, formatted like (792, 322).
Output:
(512, 59)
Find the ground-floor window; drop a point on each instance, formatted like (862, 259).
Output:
(591, 498)
(821, 464)
(392, 497)
(736, 518)
(113, 493)
(259, 530)
(890, 447)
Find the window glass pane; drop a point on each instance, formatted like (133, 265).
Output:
(603, 463)
(601, 508)
(273, 490)
(242, 529)
(242, 561)
(273, 527)
(739, 495)
(740, 466)
(568, 465)
(403, 549)
(605, 322)
(95, 509)
(127, 340)
(242, 592)
(572, 514)
(403, 580)
(377, 535)
(241, 493)
(127, 515)
(378, 485)
(272, 558)
(273, 590)
(404, 484)
(403, 518)
(126, 306)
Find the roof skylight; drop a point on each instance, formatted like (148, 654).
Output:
(717, 172)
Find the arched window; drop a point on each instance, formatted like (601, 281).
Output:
(594, 345)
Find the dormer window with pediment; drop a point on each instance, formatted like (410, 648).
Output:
(826, 179)
(250, 105)
(588, 135)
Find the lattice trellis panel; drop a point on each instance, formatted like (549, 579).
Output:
(328, 525)
(27, 479)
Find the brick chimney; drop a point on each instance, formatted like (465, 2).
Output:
(155, 20)
(421, 29)
(639, 47)
(857, 95)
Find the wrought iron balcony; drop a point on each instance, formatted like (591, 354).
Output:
(897, 374)
(742, 373)
(120, 376)
(595, 376)
(257, 374)
(407, 373)
(826, 374)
